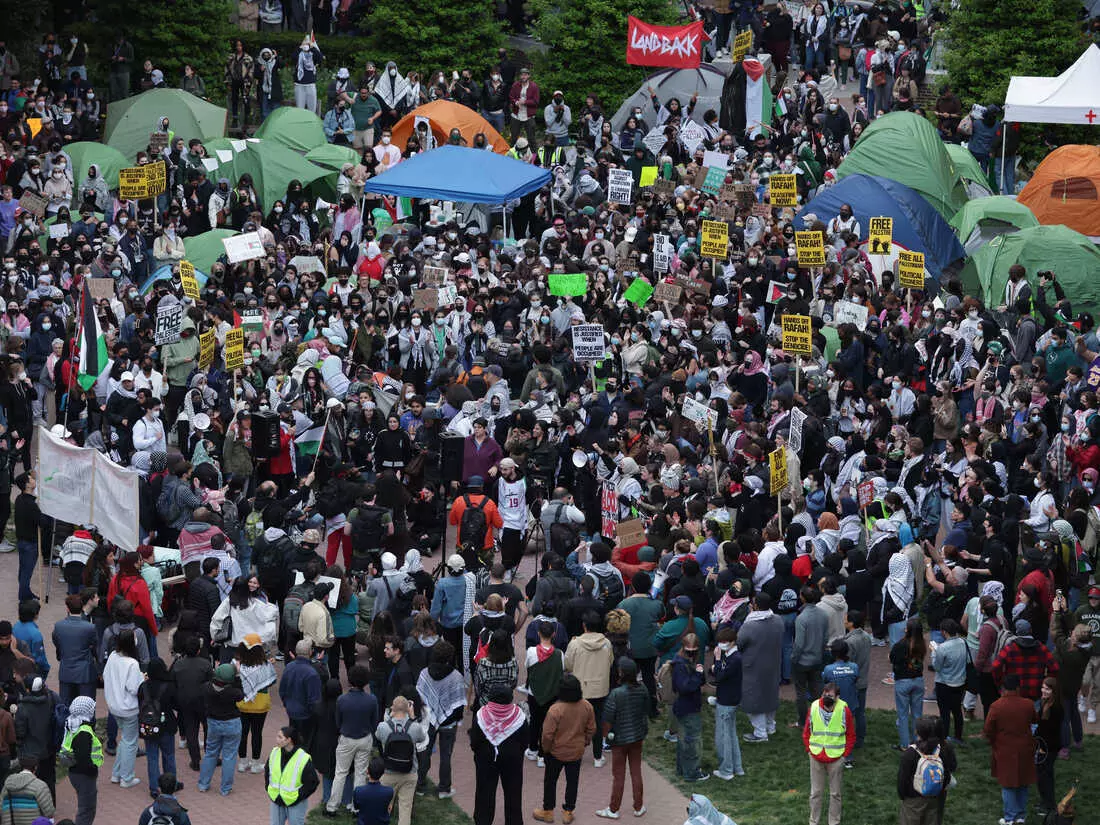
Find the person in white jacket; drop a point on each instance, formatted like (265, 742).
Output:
(149, 429)
(121, 679)
(246, 614)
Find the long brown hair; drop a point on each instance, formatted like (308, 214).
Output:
(914, 633)
(1055, 700)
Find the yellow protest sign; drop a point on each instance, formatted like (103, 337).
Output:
(783, 190)
(911, 270)
(881, 234)
(811, 248)
(797, 335)
(136, 182)
(234, 349)
(777, 467)
(716, 239)
(741, 45)
(187, 278)
(649, 176)
(206, 349)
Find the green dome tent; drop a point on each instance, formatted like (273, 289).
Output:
(203, 250)
(975, 180)
(1072, 256)
(271, 165)
(84, 153)
(907, 148)
(983, 219)
(294, 128)
(332, 157)
(130, 121)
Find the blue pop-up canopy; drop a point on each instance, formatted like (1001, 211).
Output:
(918, 227)
(457, 173)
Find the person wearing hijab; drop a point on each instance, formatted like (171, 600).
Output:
(87, 755)
(498, 738)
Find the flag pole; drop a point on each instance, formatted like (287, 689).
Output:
(321, 445)
(74, 368)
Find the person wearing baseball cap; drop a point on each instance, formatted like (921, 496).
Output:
(452, 593)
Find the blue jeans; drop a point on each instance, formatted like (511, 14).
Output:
(908, 701)
(222, 738)
(726, 743)
(815, 56)
(267, 106)
(127, 748)
(1009, 187)
(244, 554)
(860, 715)
(788, 644)
(497, 120)
(326, 790)
(160, 755)
(687, 748)
(28, 557)
(561, 140)
(1014, 802)
(895, 632)
(294, 815)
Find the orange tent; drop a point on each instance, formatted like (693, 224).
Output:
(445, 115)
(1065, 189)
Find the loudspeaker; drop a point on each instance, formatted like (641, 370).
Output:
(265, 434)
(451, 455)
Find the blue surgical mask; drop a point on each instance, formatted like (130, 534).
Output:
(634, 337)
(1066, 427)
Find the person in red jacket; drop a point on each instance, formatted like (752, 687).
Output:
(475, 495)
(280, 468)
(829, 741)
(129, 584)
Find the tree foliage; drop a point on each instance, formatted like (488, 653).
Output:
(587, 46)
(991, 40)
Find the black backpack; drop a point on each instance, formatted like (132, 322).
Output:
(609, 589)
(151, 716)
(399, 753)
(367, 532)
(563, 590)
(564, 535)
(474, 524)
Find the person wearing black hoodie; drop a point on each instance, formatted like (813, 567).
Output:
(160, 745)
(192, 672)
(441, 691)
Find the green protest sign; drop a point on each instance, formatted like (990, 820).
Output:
(568, 284)
(638, 292)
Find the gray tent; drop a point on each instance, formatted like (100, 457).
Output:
(669, 83)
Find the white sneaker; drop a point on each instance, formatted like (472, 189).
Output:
(599, 763)
(712, 701)
(133, 781)
(607, 813)
(531, 755)
(641, 811)
(445, 794)
(183, 743)
(1092, 716)
(242, 765)
(725, 777)
(541, 763)
(257, 766)
(6, 546)
(1081, 704)
(114, 780)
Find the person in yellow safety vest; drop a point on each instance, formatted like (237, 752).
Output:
(521, 151)
(829, 736)
(82, 752)
(550, 154)
(290, 778)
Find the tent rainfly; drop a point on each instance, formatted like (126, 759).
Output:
(458, 173)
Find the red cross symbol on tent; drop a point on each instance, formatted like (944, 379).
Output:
(1091, 116)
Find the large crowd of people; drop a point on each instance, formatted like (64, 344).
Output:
(369, 487)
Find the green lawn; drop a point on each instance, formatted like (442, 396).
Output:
(427, 810)
(776, 787)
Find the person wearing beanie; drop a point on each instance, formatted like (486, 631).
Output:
(300, 690)
(1026, 659)
(223, 727)
(569, 725)
(498, 736)
(386, 583)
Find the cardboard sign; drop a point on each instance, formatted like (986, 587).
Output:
(588, 342)
(169, 323)
(234, 349)
(638, 292)
(435, 275)
(568, 284)
(777, 465)
(427, 298)
(698, 413)
(880, 236)
(662, 253)
(741, 45)
(630, 533)
(620, 186)
(724, 212)
(797, 335)
(911, 270)
(207, 342)
(783, 190)
(667, 293)
(240, 248)
(157, 142)
(716, 239)
(810, 247)
(187, 278)
(137, 182)
(664, 187)
(866, 493)
(102, 289)
(695, 287)
(762, 210)
(744, 195)
(848, 312)
(252, 320)
(34, 203)
(794, 440)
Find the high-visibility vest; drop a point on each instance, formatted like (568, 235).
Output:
(97, 747)
(285, 782)
(830, 738)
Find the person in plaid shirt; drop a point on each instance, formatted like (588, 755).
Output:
(1027, 659)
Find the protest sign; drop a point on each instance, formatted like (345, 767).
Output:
(427, 298)
(34, 203)
(849, 312)
(568, 284)
(654, 140)
(435, 275)
(234, 349)
(102, 289)
(307, 263)
(638, 292)
(715, 240)
(137, 182)
(798, 418)
(648, 176)
(810, 247)
(169, 323)
(630, 533)
(207, 342)
(691, 135)
(716, 160)
(609, 509)
(252, 320)
(713, 180)
(663, 187)
(59, 231)
(157, 142)
(677, 47)
(187, 278)
(783, 190)
(246, 247)
(777, 466)
(866, 493)
(880, 235)
(741, 45)
(620, 186)
(665, 292)
(446, 295)
(698, 413)
(724, 212)
(588, 343)
(662, 253)
(797, 335)
(693, 286)
(911, 270)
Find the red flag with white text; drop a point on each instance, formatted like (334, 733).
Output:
(677, 47)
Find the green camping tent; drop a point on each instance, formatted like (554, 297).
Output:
(271, 165)
(983, 219)
(84, 153)
(294, 128)
(130, 121)
(1073, 257)
(975, 180)
(331, 157)
(907, 148)
(203, 250)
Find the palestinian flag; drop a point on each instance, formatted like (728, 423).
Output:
(309, 442)
(93, 349)
(758, 97)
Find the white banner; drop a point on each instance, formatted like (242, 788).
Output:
(662, 253)
(620, 184)
(794, 440)
(79, 485)
(588, 342)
